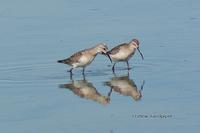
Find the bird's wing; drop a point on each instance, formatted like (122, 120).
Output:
(72, 59)
(116, 49)
(75, 57)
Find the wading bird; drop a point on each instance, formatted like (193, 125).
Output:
(84, 57)
(123, 52)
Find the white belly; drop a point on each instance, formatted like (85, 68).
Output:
(122, 55)
(83, 61)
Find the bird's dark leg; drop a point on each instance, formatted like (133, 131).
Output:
(71, 77)
(71, 73)
(113, 68)
(83, 72)
(128, 65)
(128, 74)
(71, 70)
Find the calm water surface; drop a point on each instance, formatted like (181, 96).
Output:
(37, 94)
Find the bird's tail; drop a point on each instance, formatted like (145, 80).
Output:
(66, 61)
(60, 61)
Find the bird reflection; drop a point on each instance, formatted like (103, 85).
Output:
(125, 86)
(85, 89)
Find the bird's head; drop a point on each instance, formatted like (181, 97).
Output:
(102, 48)
(136, 43)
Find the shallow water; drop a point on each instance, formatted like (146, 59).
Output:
(34, 35)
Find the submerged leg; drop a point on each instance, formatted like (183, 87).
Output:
(71, 76)
(128, 73)
(84, 77)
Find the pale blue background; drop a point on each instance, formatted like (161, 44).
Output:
(36, 33)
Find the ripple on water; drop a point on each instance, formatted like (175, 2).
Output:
(51, 72)
(28, 74)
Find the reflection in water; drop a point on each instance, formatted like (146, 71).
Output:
(125, 86)
(85, 89)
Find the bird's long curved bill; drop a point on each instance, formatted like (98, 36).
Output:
(140, 53)
(106, 54)
(109, 57)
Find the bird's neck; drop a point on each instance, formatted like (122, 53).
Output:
(93, 51)
(131, 46)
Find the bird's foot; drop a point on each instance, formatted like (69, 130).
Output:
(129, 68)
(69, 71)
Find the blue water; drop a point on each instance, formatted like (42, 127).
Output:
(35, 34)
